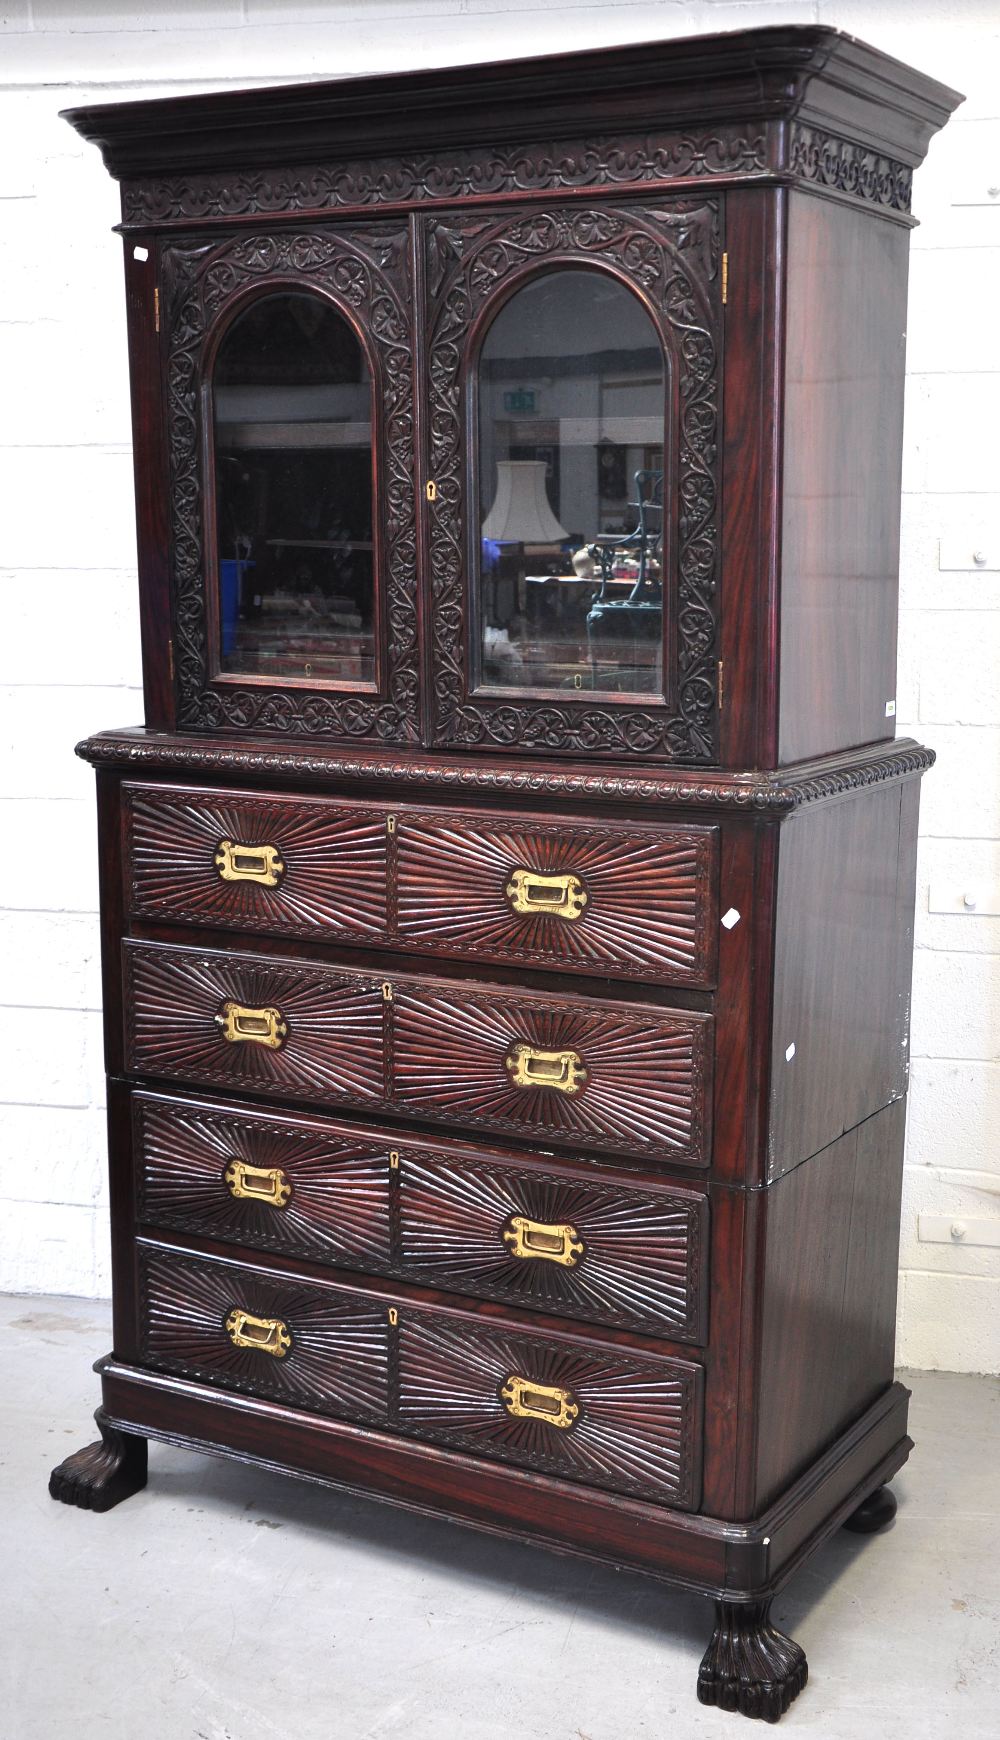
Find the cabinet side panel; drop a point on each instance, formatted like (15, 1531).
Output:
(828, 1296)
(845, 353)
(842, 969)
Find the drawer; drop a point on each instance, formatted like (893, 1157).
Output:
(581, 897)
(309, 1346)
(631, 1423)
(288, 866)
(593, 1075)
(305, 1188)
(439, 1214)
(550, 1241)
(309, 1032)
(603, 1076)
(625, 900)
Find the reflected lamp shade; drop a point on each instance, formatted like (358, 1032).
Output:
(521, 513)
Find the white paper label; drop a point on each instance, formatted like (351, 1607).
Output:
(730, 918)
(789, 1052)
(890, 709)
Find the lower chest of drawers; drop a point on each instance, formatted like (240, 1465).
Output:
(559, 1404)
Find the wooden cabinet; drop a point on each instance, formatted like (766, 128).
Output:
(507, 902)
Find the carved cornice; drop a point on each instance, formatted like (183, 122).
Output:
(652, 160)
(839, 166)
(561, 166)
(773, 793)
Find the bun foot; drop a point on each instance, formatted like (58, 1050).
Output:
(100, 1476)
(749, 1666)
(874, 1513)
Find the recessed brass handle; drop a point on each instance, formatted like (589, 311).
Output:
(531, 1068)
(558, 896)
(258, 1183)
(524, 1400)
(258, 1026)
(236, 863)
(263, 1334)
(542, 1239)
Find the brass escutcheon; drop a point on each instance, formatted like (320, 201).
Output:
(263, 1334)
(531, 1068)
(527, 1401)
(256, 1026)
(236, 863)
(536, 1238)
(556, 896)
(258, 1183)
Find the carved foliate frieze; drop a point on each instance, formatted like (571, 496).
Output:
(365, 270)
(632, 160)
(671, 254)
(843, 167)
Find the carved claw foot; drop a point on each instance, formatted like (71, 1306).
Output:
(749, 1666)
(103, 1474)
(873, 1513)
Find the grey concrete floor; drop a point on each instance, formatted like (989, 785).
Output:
(227, 1604)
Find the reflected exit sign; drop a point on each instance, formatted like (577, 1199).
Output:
(522, 400)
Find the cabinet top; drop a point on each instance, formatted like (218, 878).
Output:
(815, 75)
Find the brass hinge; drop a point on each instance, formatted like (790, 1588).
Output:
(722, 686)
(725, 279)
(156, 307)
(170, 658)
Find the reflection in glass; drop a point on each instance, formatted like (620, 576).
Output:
(293, 495)
(571, 440)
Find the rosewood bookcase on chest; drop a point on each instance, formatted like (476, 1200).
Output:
(507, 904)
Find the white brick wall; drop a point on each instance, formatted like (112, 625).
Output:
(69, 649)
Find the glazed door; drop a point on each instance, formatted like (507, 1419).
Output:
(572, 479)
(289, 383)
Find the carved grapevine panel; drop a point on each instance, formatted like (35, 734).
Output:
(671, 254)
(366, 271)
(636, 1431)
(641, 1261)
(338, 1361)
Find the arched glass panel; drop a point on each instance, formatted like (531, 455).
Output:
(571, 441)
(293, 495)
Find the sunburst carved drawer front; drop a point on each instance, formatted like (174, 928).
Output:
(552, 1242)
(630, 901)
(309, 1346)
(607, 1076)
(292, 1185)
(629, 1423)
(289, 866)
(307, 1032)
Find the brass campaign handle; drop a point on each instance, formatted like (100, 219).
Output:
(543, 1239)
(524, 1400)
(531, 1068)
(557, 896)
(257, 1026)
(263, 1334)
(238, 863)
(257, 1183)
